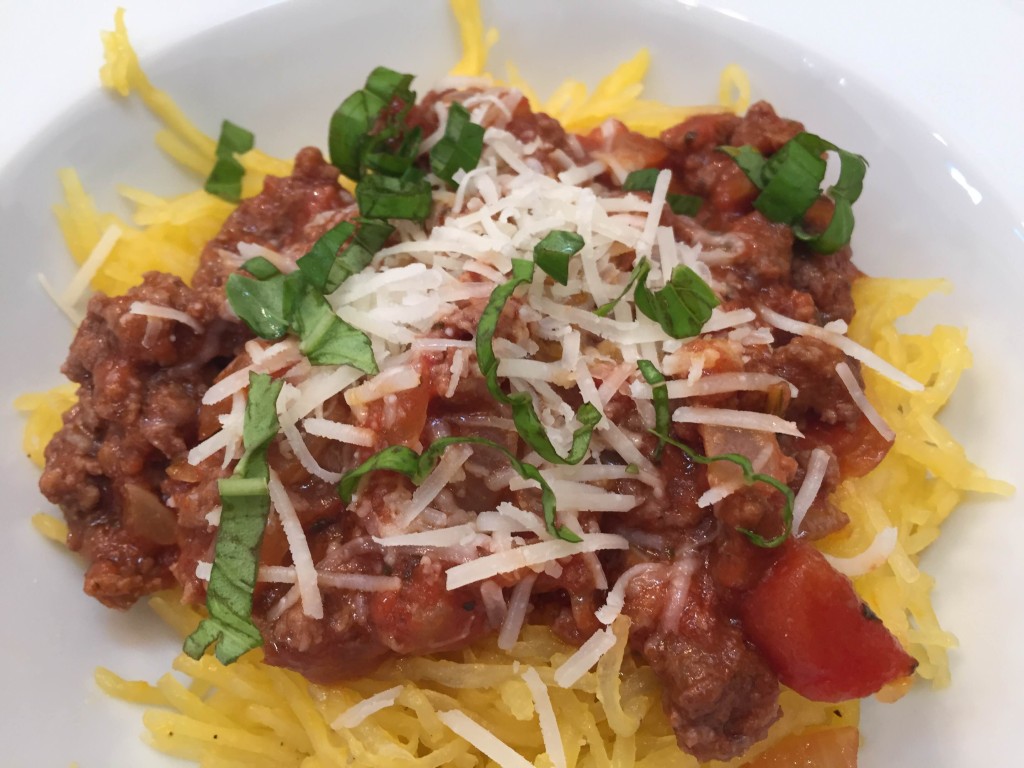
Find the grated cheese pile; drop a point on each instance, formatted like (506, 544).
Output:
(449, 710)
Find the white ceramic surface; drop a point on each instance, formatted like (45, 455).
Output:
(918, 89)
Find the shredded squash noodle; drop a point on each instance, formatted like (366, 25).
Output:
(422, 711)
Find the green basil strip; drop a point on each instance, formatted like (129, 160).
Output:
(416, 467)
(640, 270)
(659, 391)
(260, 268)
(245, 504)
(750, 161)
(836, 234)
(326, 339)
(327, 265)
(350, 124)
(749, 476)
(356, 118)
(265, 305)
(644, 181)
(552, 254)
(387, 197)
(386, 84)
(391, 151)
(793, 177)
(279, 303)
(682, 307)
(524, 416)
(790, 183)
(460, 147)
(684, 205)
(225, 180)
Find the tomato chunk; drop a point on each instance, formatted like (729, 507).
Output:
(629, 149)
(814, 631)
(825, 748)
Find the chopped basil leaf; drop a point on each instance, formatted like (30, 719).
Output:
(644, 181)
(383, 156)
(225, 180)
(749, 476)
(750, 161)
(659, 390)
(387, 84)
(350, 124)
(260, 268)
(325, 268)
(460, 147)
(245, 504)
(399, 458)
(684, 205)
(316, 265)
(354, 124)
(277, 303)
(790, 183)
(552, 254)
(682, 307)
(387, 197)
(524, 416)
(836, 234)
(264, 305)
(640, 271)
(326, 339)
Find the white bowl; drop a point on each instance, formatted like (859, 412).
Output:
(281, 72)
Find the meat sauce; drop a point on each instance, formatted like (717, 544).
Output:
(138, 510)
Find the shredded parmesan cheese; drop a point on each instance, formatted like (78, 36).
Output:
(529, 556)
(357, 713)
(759, 422)
(869, 411)
(500, 752)
(305, 571)
(546, 716)
(577, 665)
(844, 344)
(149, 309)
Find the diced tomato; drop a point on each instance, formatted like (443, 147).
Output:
(859, 449)
(631, 150)
(825, 748)
(814, 631)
